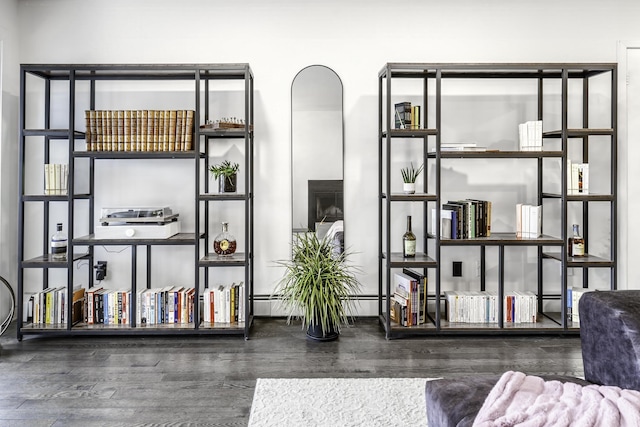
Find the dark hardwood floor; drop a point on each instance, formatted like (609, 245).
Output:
(209, 381)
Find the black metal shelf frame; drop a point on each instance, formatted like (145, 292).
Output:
(201, 75)
(437, 73)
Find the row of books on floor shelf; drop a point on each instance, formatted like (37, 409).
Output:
(409, 300)
(464, 219)
(577, 177)
(528, 221)
(139, 130)
(407, 116)
(573, 303)
(224, 304)
(530, 135)
(482, 307)
(48, 307)
(56, 178)
(171, 305)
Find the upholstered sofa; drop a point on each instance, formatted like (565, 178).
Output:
(610, 340)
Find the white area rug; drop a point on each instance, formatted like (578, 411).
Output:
(305, 402)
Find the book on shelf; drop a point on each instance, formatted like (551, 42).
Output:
(78, 303)
(139, 130)
(409, 301)
(528, 221)
(577, 177)
(402, 112)
(223, 304)
(482, 307)
(469, 218)
(47, 307)
(169, 305)
(56, 178)
(530, 135)
(573, 303)
(459, 146)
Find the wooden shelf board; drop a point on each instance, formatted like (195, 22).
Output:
(495, 154)
(212, 260)
(415, 197)
(503, 239)
(178, 239)
(581, 262)
(420, 260)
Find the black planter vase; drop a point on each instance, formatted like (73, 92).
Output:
(314, 332)
(227, 184)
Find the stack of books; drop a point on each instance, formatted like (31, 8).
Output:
(464, 219)
(577, 177)
(224, 304)
(409, 301)
(407, 116)
(139, 130)
(573, 303)
(530, 135)
(56, 178)
(459, 146)
(482, 307)
(528, 221)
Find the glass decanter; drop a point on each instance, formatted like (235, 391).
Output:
(225, 243)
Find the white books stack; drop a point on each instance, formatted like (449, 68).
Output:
(577, 177)
(459, 146)
(573, 303)
(56, 177)
(528, 221)
(530, 135)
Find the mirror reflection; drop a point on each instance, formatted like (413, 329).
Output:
(317, 152)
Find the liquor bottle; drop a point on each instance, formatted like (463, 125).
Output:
(576, 242)
(225, 243)
(408, 241)
(59, 244)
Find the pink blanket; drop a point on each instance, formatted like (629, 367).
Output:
(528, 401)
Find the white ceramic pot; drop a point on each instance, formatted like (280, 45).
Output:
(409, 187)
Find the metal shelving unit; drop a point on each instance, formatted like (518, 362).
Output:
(40, 77)
(551, 247)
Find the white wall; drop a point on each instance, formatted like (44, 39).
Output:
(9, 87)
(355, 38)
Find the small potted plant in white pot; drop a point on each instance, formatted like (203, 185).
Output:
(227, 175)
(409, 176)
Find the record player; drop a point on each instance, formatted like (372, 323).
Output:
(137, 223)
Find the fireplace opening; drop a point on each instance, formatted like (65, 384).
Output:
(326, 202)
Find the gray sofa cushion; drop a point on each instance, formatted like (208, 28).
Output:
(610, 337)
(456, 402)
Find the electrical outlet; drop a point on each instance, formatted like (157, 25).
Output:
(457, 268)
(478, 269)
(101, 270)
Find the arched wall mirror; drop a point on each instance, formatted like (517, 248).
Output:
(317, 136)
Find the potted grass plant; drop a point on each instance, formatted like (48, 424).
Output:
(227, 175)
(317, 286)
(409, 176)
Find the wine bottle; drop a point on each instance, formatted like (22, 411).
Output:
(576, 242)
(408, 241)
(59, 244)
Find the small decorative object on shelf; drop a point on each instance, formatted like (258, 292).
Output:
(224, 243)
(226, 123)
(407, 116)
(409, 176)
(408, 241)
(226, 173)
(576, 242)
(59, 244)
